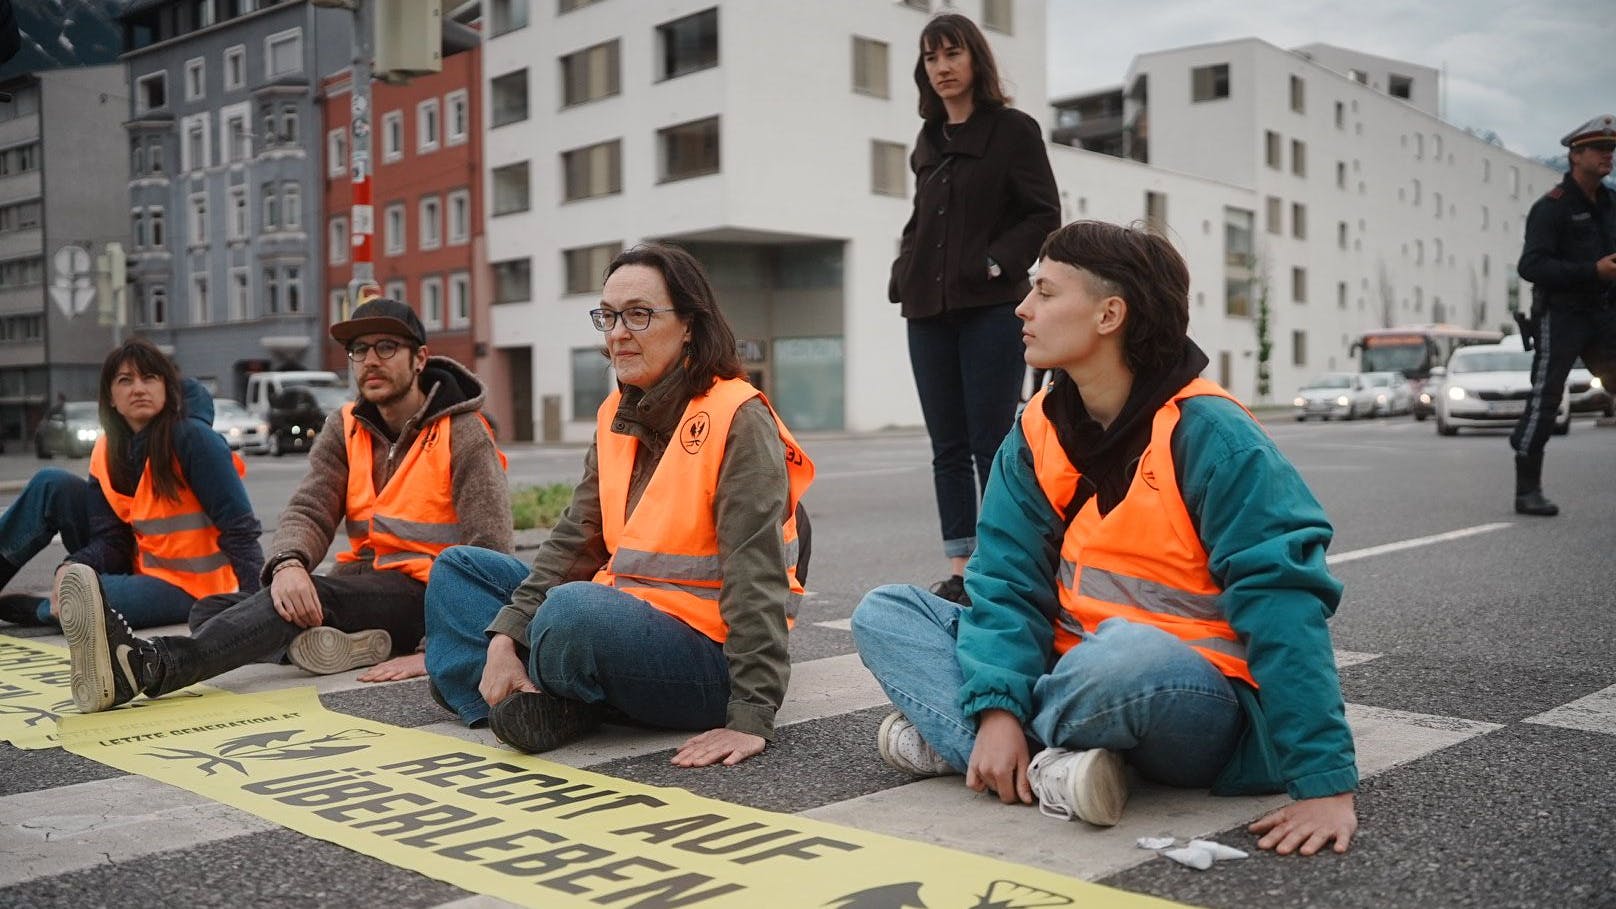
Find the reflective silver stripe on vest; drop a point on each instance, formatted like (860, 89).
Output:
(393, 558)
(705, 593)
(642, 564)
(1068, 573)
(194, 520)
(793, 603)
(197, 565)
(1220, 645)
(419, 531)
(1150, 596)
(357, 529)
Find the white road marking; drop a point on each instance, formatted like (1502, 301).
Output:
(1345, 658)
(1594, 713)
(1415, 543)
(838, 624)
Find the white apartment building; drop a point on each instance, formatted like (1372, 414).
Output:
(771, 138)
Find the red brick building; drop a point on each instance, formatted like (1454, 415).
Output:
(426, 152)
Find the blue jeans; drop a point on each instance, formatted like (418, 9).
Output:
(588, 642)
(969, 368)
(1128, 687)
(56, 501)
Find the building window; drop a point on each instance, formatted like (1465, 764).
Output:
(291, 206)
(1209, 83)
(1273, 149)
(1298, 95)
(235, 68)
(870, 67)
(1416, 196)
(1514, 182)
(688, 44)
(1486, 170)
(396, 290)
(1486, 218)
(506, 15)
(196, 75)
(240, 223)
(426, 126)
(338, 240)
(155, 306)
(1341, 174)
(1156, 211)
(237, 144)
(459, 217)
(1299, 284)
(1299, 157)
(199, 300)
(459, 300)
(392, 136)
(22, 272)
(283, 53)
(996, 15)
(137, 220)
(1299, 220)
(1341, 234)
(393, 227)
(336, 152)
(689, 149)
(151, 92)
(585, 267)
(155, 217)
(1340, 115)
(889, 169)
(21, 216)
(511, 188)
(508, 96)
(272, 291)
(457, 108)
(567, 6)
(590, 74)
(1436, 199)
(595, 170)
(289, 119)
(1275, 213)
(431, 222)
(1298, 348)
(195, 151)
(337, 306)
(1358, 76)
(432, 302)
(294, 288)
(1340, 295)
(199, 219)
(591, 382)
(1237, 296)
(513, 281)
(1400, 86)
(240, 294)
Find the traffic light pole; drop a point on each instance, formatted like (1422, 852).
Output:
(360, 160)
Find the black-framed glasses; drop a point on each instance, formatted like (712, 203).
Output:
(385, 349)
(637, 318)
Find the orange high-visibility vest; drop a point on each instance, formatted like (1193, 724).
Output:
(667, 553)
(413, 518)
(1143, 560)
(175, 540)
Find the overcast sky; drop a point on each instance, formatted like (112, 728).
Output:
(1529, 71)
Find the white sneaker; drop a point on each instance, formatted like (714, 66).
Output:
(1089, 785)
(324, 650)
(903, 749)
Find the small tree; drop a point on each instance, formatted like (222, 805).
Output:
(1265, 341)
(1388, 299)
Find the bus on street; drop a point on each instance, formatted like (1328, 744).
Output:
(1412, 350)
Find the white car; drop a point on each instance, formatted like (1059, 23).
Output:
(1487, 385)
(1335, 395)
(1393, 395)
(241, 430)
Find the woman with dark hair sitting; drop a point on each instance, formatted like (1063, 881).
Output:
(667, 589)
(164, 518)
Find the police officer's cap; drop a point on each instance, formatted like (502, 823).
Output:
(1600, 132)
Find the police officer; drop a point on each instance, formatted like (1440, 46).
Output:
(1570, 258)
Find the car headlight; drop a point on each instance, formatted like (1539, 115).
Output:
(1455, 393)
(263, 429)
(1425, 397)
(87, 435)
(1380, 399)
(235, 432)
(1300, 402)
(1596, 382)
(1343, 401)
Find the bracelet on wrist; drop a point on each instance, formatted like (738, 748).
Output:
(284, 564)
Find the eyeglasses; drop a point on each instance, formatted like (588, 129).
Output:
(637, 318)
(385, 349)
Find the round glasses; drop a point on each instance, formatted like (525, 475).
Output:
(636, 318)
(385, 349)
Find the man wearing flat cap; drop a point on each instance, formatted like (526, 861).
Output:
(1570, 258)
(409, 469)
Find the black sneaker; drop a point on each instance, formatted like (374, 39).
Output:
(109, 664)
(20, 609)
(533, 722)
(952, 590)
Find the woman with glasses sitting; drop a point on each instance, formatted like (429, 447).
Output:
(665, 593)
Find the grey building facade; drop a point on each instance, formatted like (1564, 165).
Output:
(224, 180)
(61, 201)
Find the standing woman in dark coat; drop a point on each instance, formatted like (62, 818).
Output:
(985, 199)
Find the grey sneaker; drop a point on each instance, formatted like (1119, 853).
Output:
(903, 749)
(535, 722)
(1089, 785)
(109, 665)
(325, 650)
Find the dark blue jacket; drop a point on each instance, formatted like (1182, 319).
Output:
(208, 469)
(1566, 234)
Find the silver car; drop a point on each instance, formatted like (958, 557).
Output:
(1393, 395)
(70, 428)
(1487, 385)
(1335, 396)
(240, 429)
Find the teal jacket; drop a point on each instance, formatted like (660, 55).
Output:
(1265, 536)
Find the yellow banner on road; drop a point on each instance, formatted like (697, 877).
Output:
(36, 687)
(537, 833)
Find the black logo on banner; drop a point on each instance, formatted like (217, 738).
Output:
(270, 746)
(1001, 894)
(694, 431)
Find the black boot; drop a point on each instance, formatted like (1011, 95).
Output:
(1529, 487)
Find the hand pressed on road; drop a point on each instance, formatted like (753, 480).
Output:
(409, 666)
(999, 758)
(728, 745)
(1308, 825)
(503, 673)
(292, 592)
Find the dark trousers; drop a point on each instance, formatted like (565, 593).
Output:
(969, 370)
(232, 629)
(1564, 334)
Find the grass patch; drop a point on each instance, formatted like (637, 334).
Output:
(539, 506)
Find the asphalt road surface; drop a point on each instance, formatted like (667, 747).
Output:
(1478, 662)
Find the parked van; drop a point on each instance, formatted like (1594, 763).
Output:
(263, 386)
